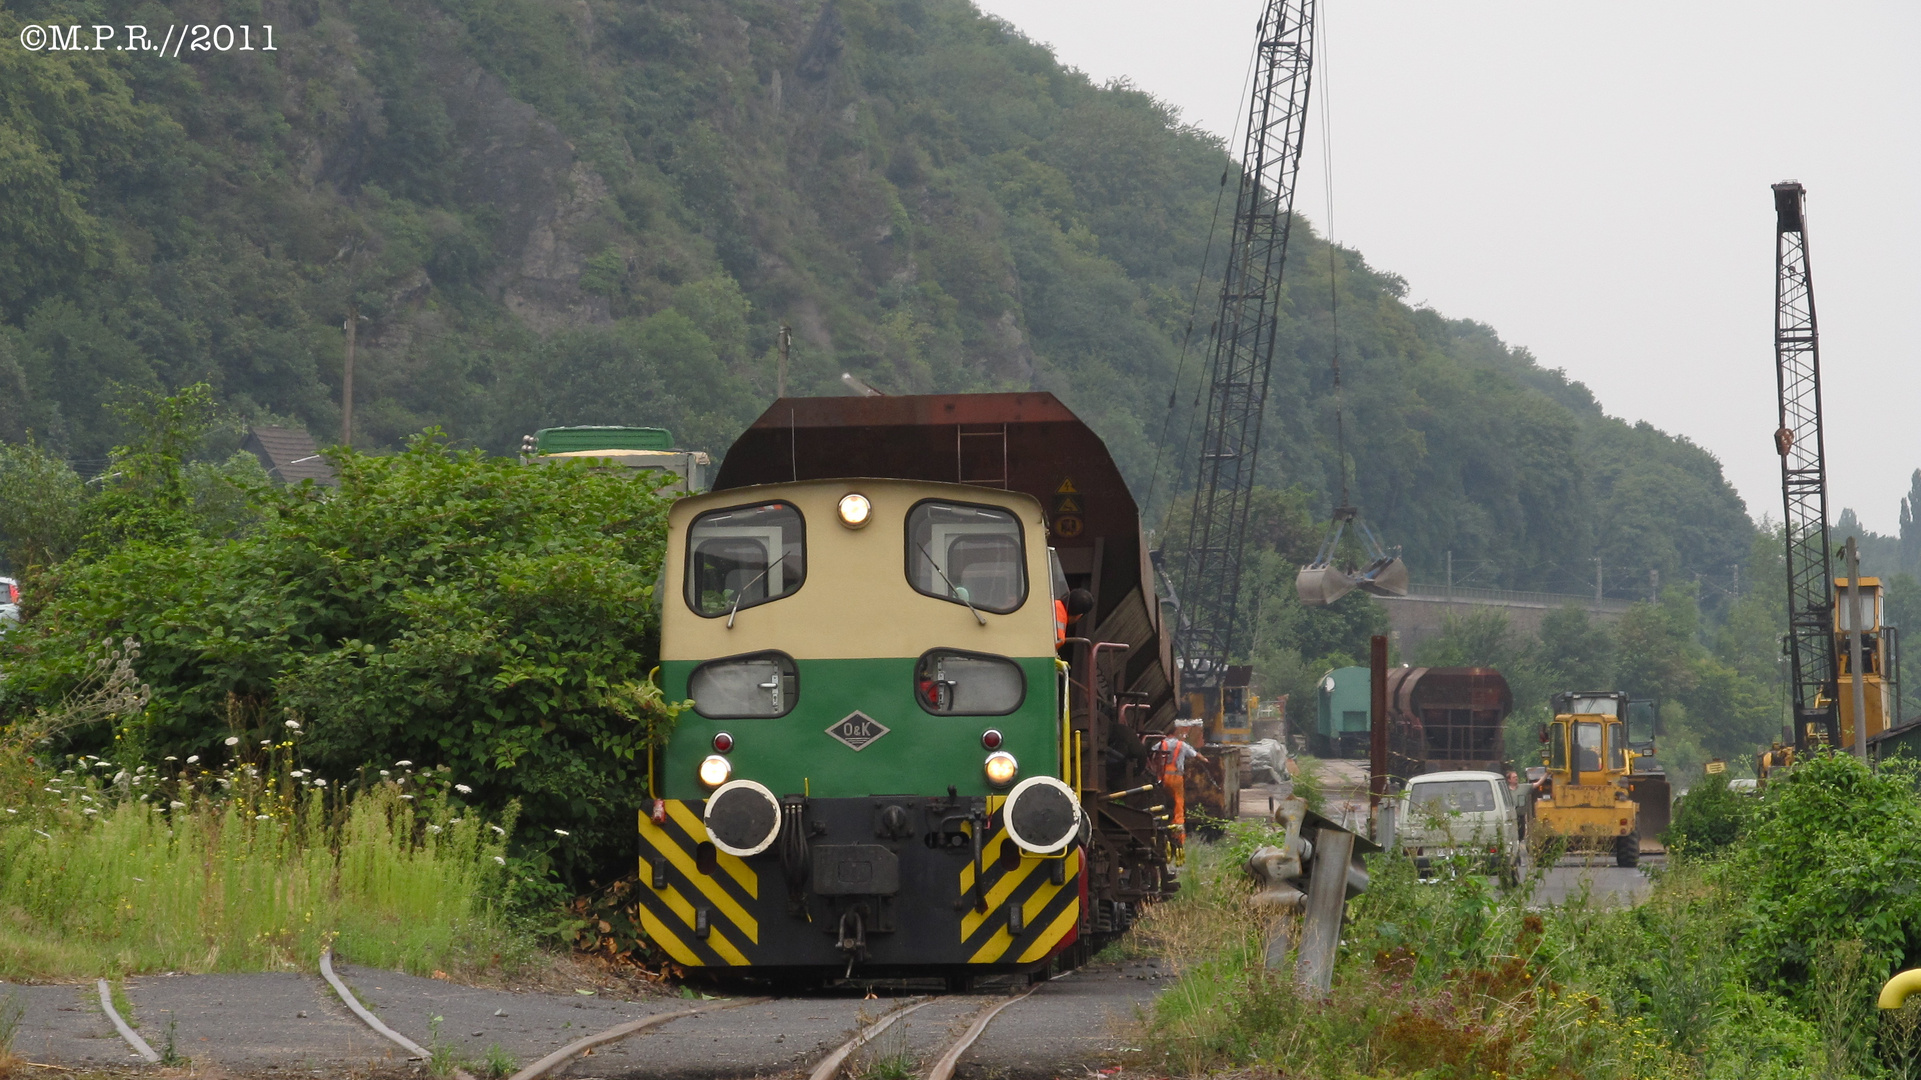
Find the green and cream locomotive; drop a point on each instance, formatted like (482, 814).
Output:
(886, 766)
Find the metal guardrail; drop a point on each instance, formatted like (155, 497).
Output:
(1511, 597)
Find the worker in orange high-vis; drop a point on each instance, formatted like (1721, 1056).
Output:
(1171, 759)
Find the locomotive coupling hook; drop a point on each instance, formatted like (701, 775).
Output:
(1894, 993)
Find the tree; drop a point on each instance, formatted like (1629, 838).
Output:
(1576, 652)
(439, 606)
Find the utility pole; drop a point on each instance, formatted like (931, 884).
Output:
(1654, 585)
(1377, 721)
(347, 381)
(783, 340)
(1853, 623)
(1450, 579)
(1597, 579)
(1737, 581)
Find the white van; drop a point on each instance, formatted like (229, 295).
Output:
(1450, 814)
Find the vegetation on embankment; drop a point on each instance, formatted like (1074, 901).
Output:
(1759, 958)
(104, 871)
(439, 607)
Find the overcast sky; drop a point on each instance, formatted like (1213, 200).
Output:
(1591, 179)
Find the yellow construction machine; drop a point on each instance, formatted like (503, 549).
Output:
(1877, 687)
(1585, 796)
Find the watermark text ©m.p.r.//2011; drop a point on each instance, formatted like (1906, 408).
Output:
(134, 37)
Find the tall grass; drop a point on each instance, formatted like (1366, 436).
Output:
(1446, 980)
(97, 877)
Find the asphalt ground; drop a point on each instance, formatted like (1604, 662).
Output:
(283, 1023)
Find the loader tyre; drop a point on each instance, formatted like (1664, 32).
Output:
(1627, 850)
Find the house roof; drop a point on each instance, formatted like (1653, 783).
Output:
(288, 454)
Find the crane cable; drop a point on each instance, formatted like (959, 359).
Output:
(1333, 290)
(1187, 338)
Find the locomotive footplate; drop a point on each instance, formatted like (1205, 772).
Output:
(888, 884)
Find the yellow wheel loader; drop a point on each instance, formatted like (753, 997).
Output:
(1586, 795)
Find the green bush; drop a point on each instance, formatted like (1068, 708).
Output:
(437, 606)
(1708, 819)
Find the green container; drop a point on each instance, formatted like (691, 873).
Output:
(1344, 722)
(567, 440)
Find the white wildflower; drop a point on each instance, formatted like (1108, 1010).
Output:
(43, 834)
(86, 798)
(170, 757)
(404, 763)
(260, 817)
(191, 758)
(409, 798)
(89, 810)
(384, 772)
(430, 828)
(498, 829)
(293, 725)
(463, 789)
(137, 771)
(119, 776)
(454, 821)
(497, 858)
(11, 810)
(320, 783)
(562, 832)
(177, 805)
(233, 740)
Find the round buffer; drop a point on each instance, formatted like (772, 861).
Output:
(1042, 815)
(742, 818)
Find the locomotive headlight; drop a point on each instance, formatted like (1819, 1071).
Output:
(855, 510)
(714, 770)
(1001, 768)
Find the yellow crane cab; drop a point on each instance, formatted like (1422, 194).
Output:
(1877, 688)
(1585, 795)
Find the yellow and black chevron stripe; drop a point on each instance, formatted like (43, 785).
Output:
(699, 919)
(1048, 899)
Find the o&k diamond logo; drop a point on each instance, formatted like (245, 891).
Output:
(857, 729)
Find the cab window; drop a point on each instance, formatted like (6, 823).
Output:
(741, 687)
(1587, 747)
(952, 683)
(1617, 748)
(744, 556)
(1557, 747)
(966, 554)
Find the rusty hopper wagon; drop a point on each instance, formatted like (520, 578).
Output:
(1442, 719)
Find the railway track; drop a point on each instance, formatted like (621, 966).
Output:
(1009, 1028)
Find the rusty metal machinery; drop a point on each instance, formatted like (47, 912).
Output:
(1804, 485)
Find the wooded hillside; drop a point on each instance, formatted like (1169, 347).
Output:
(599, 211)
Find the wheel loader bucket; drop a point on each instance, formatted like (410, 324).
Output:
(1384, 577)
(1320, 584)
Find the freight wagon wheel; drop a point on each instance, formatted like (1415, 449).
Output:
(1627, 850)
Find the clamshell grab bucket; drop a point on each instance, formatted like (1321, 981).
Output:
(1321, 585)
(1384, 577)
(1320, 582)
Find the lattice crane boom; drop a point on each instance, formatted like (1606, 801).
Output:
(1804, 485)
(1244, 336)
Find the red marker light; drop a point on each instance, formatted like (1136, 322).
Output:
(723, 742)
(991, 739)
